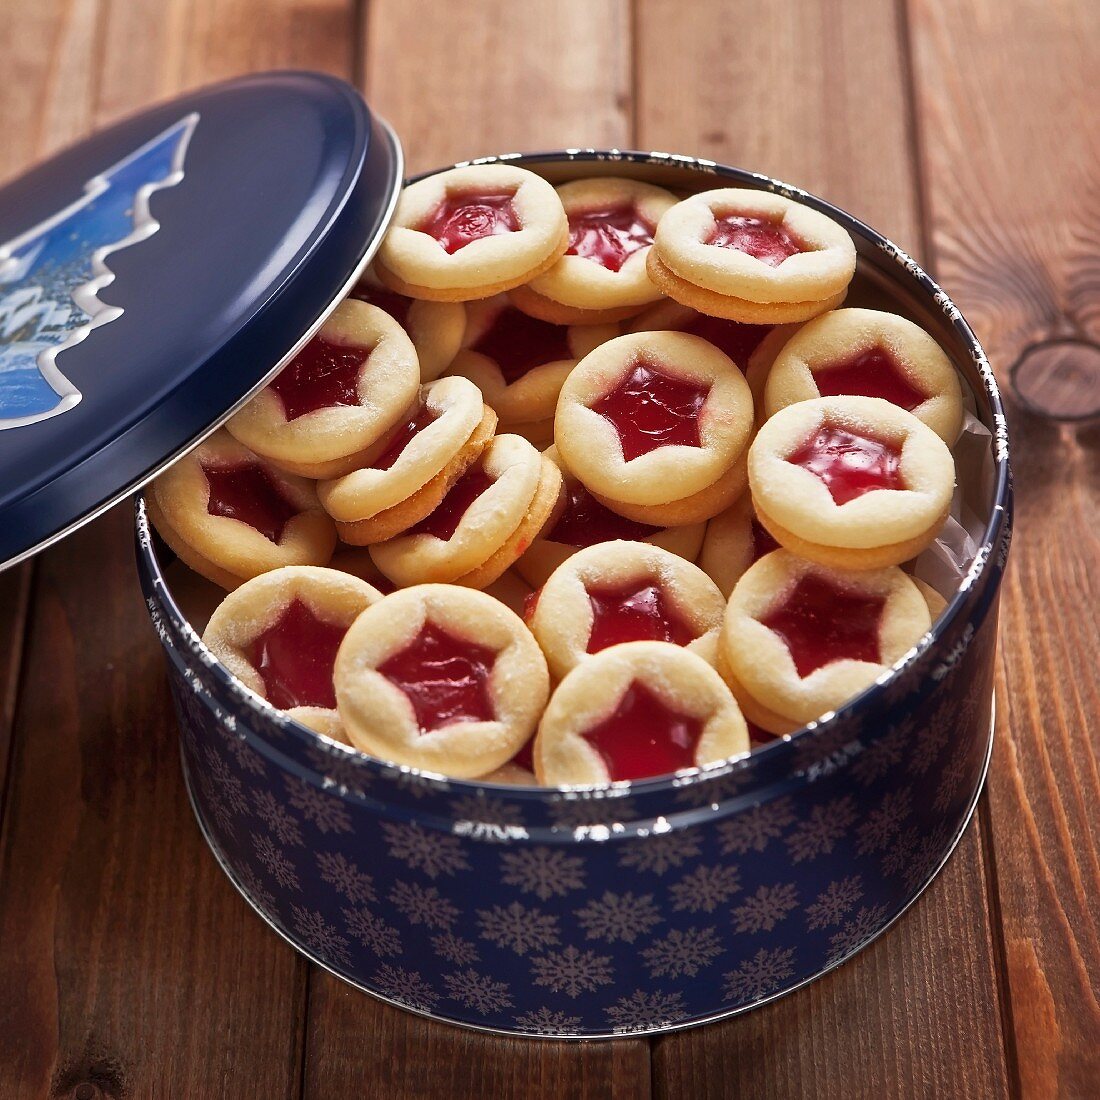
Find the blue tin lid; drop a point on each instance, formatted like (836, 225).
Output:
(157, 274)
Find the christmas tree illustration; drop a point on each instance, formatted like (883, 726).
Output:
(51, 275)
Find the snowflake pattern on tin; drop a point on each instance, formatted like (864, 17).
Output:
(477, 991)
(284, 828)
(766, 908)
(643, 1010)
(280, 868)
(430, 852)
(230, 792)
(706, 888)
(319, 936)
(544, 872)
(319, 807)
(819, 833)
(346, 878)
(682, 951)
(406, 987)
(883, 823)
(618, 917)
(517, 928)
(753, 829)
(455, 949)
(759, 975)
(423, 905)
(572, 971)
(658, 854)
(547, 1021)
(374, 933)
(865, 925)
(834, 902)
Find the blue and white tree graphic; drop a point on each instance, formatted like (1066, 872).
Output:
(51, 275)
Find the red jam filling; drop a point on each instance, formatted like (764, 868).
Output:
(518, 343)
(444, 521)
(759, 237)
(635, 612)
(735, 339)
(525, 758)
(821, 623)
(320, 376)
(444, 678)
(870, 373)
(643, 737)
(849, 464)
(402, 435)
(650, 409)
(584, 521)
(249, 493)
(389, 301)
(608, 237)
(460, 220)
(758, 736)
(762, 541)
(294, 657)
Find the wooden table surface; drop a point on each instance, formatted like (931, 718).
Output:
(967, 130)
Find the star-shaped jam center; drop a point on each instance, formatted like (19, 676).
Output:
(247, 492)
(870, 373)
(584, 521)
(608, 236)
(650, 408)
(320, 376)
(821, 622)
(444, 521)
(849, 463)
(294, 657)
(463, 218)
(445, 678)
(643, 737)
(401, 436)
(762, 238)
(634, 612)
(518, 343)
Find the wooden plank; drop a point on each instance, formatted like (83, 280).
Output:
(524, 76)
(918, 1013)
(139, 971)
(15, 586)
(1012, 160)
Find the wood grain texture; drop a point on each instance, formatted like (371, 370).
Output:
(15, 586)
(448, 103)
(140, 972)
(918, 1014)
(1012, 164)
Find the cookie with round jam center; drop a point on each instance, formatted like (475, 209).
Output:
(294, 657)
(650, 408)
(635, 612)
(849, 464)
(518, 343)
(820, 623)
(247, 492)
(644, 737)
(608, 237)
(870, 373)
(321, 375)
(444, 678)
(766, 240)
(461, 219)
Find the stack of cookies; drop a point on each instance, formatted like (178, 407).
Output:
(685, 481)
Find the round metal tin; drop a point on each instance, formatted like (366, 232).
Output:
(156, 274)
(643, 906)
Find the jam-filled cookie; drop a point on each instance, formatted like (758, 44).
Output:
(656, 425)
(760, 365)
(441, 678)
(519, 362)
(855, 482)
(519, 771)
(511, 589)
(344, 390)
(751, 256)
(738, 340)
(633, 711)
(279, 633)
(867, 353)
(602, 276)
(580, 520)
(800, 639)
(435, 328)
(414, 466)
(487, 520)
(357, 561)
(472, 232)
(230, 514)
(619, 592)
(734, 539)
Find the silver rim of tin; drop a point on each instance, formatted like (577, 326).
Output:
(679, 1025)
